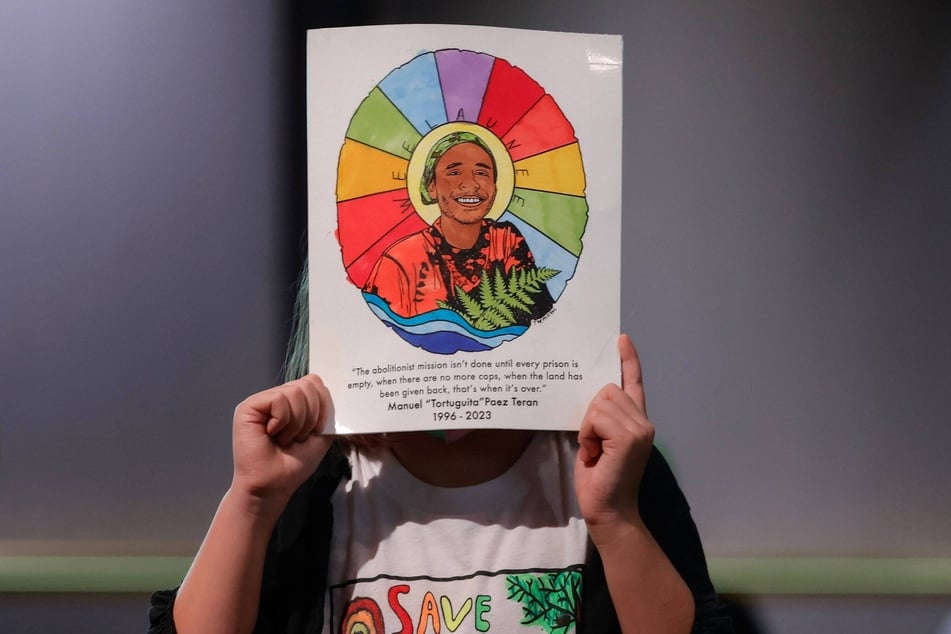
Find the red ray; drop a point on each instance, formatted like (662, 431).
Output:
(367, 226)
(543, 128)
(508, 97)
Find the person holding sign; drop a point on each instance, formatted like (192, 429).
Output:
(426, 270)
(500, 530)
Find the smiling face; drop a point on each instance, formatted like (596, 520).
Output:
(464, 183)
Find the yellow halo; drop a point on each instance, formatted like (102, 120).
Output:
(504, 169)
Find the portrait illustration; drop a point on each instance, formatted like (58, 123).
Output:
(460, 201)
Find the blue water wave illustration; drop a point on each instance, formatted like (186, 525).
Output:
(441, 331)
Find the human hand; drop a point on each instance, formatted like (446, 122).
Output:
(275, 438)
(615, 442)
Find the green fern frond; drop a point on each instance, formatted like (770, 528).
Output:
(498, 282)
(472, 308)
(515, 288)
(491, 319)
(533, 279)
(501, 300)
(485, 290)
(540, 276)
(513, 295)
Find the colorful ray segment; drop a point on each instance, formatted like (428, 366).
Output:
(559, 170)
(542, 128)
(354, 181)
(560, 217)
(510, 94)
(370, 225)
(378, 123)
(415, 91)
(464, 76)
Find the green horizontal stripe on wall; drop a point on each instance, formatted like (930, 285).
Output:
(732, 575)
(91, 573)
(831, 575)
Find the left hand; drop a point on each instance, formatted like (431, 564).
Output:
(615, 442)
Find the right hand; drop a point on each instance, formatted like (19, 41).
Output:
(276, 440)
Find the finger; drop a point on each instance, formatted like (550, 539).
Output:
(312, 407)
(615, 415)
(324, 405)
(310, 451)
(589, 444)
(256, 409)
(313, 389)
(295, 392)
(628, 408)
(615, 431)
(268, 410)
(608, 408)
(632, 381)
(315, 399)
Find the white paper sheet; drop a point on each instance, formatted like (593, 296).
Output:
(392, 333)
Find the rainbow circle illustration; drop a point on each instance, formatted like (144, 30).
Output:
(540, 178)
(362, 616)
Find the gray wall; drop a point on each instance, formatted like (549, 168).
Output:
(144, 159)
(787, 253)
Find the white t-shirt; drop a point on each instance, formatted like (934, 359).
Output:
(501, 556)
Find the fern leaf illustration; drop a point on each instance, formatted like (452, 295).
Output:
(473, 309)
(501, 299)
(515, 288)
(491, 319)
(499, 282)
(493, 295)
(486, 292)
(534, 278)
(511, 295)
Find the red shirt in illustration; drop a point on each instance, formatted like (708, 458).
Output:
(416, 272)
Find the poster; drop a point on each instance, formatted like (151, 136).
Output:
(464, 206)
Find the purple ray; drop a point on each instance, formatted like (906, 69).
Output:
(464, 76)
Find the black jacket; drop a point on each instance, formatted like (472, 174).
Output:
(296, 567)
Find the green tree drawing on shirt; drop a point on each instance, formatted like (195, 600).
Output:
(549, 600)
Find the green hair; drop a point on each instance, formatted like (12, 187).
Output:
(297, 357)
(442, 146)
